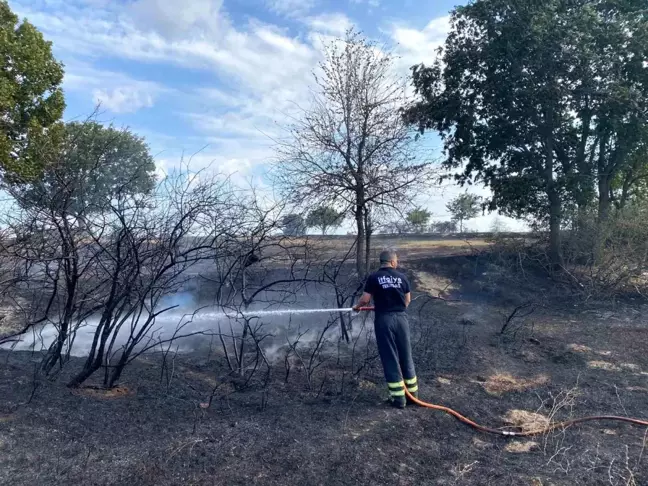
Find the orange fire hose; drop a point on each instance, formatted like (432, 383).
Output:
(518, 433)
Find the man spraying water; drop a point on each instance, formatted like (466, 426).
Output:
(390, 291)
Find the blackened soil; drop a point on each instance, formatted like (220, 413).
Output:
(154, 431)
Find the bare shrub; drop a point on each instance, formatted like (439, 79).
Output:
(604, 258)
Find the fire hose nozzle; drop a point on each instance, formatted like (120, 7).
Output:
(368, 308)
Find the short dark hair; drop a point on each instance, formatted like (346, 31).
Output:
(387, 256)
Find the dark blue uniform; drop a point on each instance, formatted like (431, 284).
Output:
(388, 288)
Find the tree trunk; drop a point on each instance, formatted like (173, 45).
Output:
(54, 352)
(88, 370)
(604, 180)
(111, 381)
(360, 244)
(97, 351)
(604, 199)
(368, 233)
(91, 366)
(625, 191)
(241, 351)
(552, 194)
(554, 230)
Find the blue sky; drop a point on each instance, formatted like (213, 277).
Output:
(217, 79)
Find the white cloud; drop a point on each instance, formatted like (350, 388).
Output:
(161, 169)
(231, 123)
(290, 8)
(333, 23)
(261, 56)
(166, 18)
(124, 99)
(262, 70)
(116, 92)
(420, 46)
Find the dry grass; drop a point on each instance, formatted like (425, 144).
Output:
(603, 365)
(630, 367)
(501, 383)
(102, 393)
(527, 421)
(518, 447)
(579, 348)
(433, 284)
(431, 244)
(406, 244)
(367, 385)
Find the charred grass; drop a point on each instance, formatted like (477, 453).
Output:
(159, 431)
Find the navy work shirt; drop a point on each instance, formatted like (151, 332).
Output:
(388, 287)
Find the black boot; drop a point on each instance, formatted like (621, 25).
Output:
(398, 402)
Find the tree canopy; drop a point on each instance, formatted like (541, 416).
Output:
(543, 102)
(31, 98)
(419, 219)
(463, 208)
(293, 225)
(444, 227)
(324, 218)
(89, 164)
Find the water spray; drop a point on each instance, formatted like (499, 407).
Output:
(305, 311)
(279, 312)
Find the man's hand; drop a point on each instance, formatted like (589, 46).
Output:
(363, 302)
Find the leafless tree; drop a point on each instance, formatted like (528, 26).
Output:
(61, 275)
(107, 269)
(350, 149)
(151, 246)
(260, 270)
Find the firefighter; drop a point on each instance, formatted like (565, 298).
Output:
(390, 291)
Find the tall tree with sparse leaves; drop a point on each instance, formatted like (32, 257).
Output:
(350, 149)
(31, 98)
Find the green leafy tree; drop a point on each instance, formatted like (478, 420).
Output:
(31, 98)
(324, 218)
(293, 225)
(541, 101)
(444, 227)
(631, 184)
(88, 165)
(419, 219)
(464, 208)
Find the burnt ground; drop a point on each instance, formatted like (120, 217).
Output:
(566, 359)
